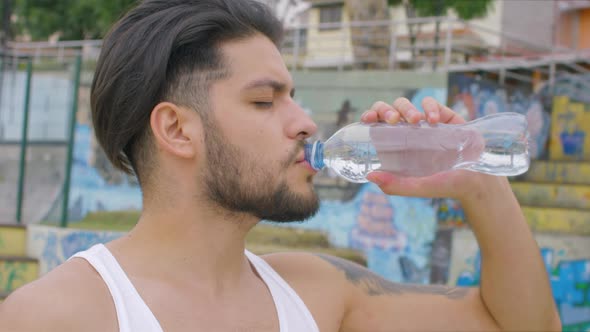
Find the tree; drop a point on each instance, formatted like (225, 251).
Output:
(91, 19)
(72, 19)
(465, 9)
(6, 13)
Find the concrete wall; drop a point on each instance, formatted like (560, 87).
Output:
(530, 19)
(567, 27)
(323, 93)
(50, 104)
(584, 34)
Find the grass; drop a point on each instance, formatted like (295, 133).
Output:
(118, 221)
(262, 239)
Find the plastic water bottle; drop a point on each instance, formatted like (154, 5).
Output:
(495, 144)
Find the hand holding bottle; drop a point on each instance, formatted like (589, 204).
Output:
(457, 184)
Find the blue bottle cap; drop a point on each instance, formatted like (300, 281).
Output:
(314, 155)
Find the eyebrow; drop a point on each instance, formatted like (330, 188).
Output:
(275, 85)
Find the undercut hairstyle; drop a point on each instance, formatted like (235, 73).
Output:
(165, 50)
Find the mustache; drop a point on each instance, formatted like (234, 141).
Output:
(295, 153)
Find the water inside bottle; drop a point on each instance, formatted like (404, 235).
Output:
(506, 154)
(415, 152)
(353, 160)
(490, 145)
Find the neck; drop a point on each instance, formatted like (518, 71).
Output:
(190, 241)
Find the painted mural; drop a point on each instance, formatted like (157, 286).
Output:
(567, 259)
(395, 233)
(473, 98)
(95, 184)
(570, 130)
(52, 246)
(16, 273)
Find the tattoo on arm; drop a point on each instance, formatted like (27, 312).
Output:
(375, 285)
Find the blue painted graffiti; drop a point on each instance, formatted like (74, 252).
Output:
(573, 143)
(89, 191)
(570, 283)
(473, 98)
(395, 233)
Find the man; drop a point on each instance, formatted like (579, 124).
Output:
(194, 98)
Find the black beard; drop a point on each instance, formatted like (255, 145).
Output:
(240, 184)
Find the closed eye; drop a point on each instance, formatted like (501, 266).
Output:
(263, 104)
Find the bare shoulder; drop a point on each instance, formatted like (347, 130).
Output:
(351, 275)
(332, 270)
(323, 289)
(72, 297)
(372, 303)
(304, 267)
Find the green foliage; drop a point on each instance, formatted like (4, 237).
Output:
(73, 19)
(465, 9)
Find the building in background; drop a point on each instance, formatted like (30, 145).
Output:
(367, 34)
(572, 24)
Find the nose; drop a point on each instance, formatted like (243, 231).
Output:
(300, 126)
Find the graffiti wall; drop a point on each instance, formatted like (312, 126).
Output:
(567, 259)
(15, 269)
(570, 130)
(16, 273)
(53, 246)
(473, 98)
(96, 185)
(395, 233)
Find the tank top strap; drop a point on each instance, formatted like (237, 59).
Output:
(133, 314)
(294, 316)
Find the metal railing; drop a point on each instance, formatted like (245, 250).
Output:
(383, 45)
(60, 51)
(457, 45)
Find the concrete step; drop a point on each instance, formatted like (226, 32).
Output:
(558, 220)
(552, 195)
(16, 272)
(564, 172)
(13, 240)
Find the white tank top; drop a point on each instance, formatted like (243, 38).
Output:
(134, 315)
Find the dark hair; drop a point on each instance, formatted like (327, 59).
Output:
(164, 50)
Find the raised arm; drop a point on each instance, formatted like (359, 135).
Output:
(377, 304)
(515, 292)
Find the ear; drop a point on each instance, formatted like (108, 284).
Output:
(174, 131)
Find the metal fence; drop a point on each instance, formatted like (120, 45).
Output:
(37, 118)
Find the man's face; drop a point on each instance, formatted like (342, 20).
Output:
(254, 137)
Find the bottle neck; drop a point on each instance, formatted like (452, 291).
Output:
(314, 155)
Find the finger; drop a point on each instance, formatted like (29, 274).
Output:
(431, 109)
(380, 111)
(445, 115)
(369, 117)
(407, 110)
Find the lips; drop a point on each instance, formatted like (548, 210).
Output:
(300, 158)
